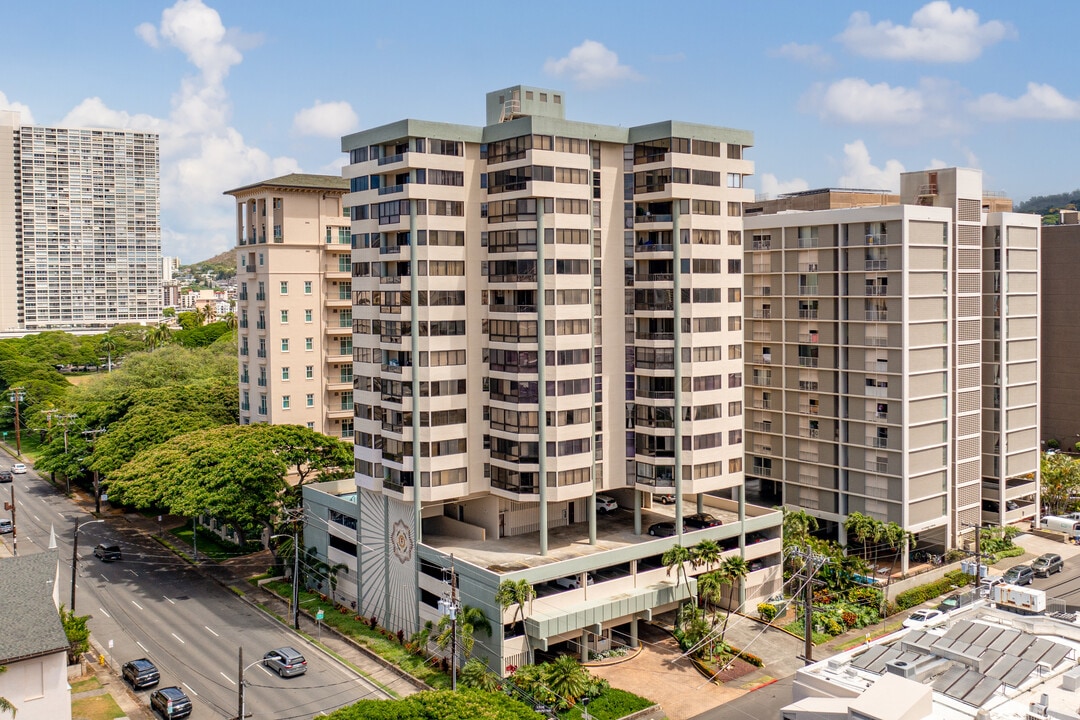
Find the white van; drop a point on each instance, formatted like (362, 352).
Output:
(1061, 524)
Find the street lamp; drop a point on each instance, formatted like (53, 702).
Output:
(295, 577)
(242, 708)
(75, 557)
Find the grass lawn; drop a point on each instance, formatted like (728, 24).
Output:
(98, 707)
(89, 683)
(210, 545)
(361, 632)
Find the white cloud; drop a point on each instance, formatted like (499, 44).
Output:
(148, 33)
(590, 65)
(25, 116)
(772, 186)
(811, 55)
(937, 33)
(854, 100)
(197, 31)
(331, 119)
(1040, 102)
(92, 112)
(859, 172)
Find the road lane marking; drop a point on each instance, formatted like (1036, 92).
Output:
(178, 638)
(169, 599)
(190, 689)
(136, 604)
(37, 518)
(142, 646)
(132, 572)
(104, 613)
(103, 577)
(263, 668)
(227, 677)
(211, 631)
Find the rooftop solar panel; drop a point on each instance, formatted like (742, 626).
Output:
(1019, 645)
(972, 633)
(1038, 648)
(982, 691)
(1006, 638)
(878, 666)
(1055, 654)
(957, 629)
(964, 684)
(1001, 668)
(1019, 673)
(989, 636)
(948, 678)
(869, 656)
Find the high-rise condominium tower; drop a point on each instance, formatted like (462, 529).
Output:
(547, 321)
(80, 228)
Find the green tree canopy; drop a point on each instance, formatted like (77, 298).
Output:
(465, 704)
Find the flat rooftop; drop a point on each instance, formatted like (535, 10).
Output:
(614, 531)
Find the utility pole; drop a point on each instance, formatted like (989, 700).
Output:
(16, 395)
(449, 606)
(812, 563)
(75, 557)
(65, 420)
(240, 685)
(97, 487)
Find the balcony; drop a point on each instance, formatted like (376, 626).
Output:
(244, 351)
(391, 249)
(878, 442)
(811, 385)
(260, 325)
(249, 268)
(808, 314)
(809, 433)
(761, 471)
(763, 358)
(878, 290)
(877, 315)
(808, 289)
(391, 159)
(391, 189)
(877, 239)
(807, 409)
(762, 426)
(877, 265)
(260, 353)
(761, 244)
(390, 279)
(262, 382)
(764, 291)
(808, 362)
(649, 218)
(243, 297)
(653, 248)
(655, 394)
(653, 277)
(513, 308)
(655, 336)
(763, 314)
(243, 324)
(260, 297)
(810, 242)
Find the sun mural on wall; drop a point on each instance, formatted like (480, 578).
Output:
(401, 539)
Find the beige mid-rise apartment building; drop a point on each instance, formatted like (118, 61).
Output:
(892, 360)
(548, 349)
(80, 227)
(294, 306)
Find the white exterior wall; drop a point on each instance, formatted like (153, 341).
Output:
(38, 688)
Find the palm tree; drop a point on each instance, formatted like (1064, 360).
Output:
(475, 674)
(158, 336)
(798, 526)
(732, 572)
(518, 593)
(469, 620)
(567, 679)
(206, 313)
(710, 590)
(230, 321)
(108, 344)
(863, 528)
(6, 706)
(705, 554)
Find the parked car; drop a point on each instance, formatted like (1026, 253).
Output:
(18, 469)
(702, 520)
(107, 553)
(140, 673)
(956, 600)
(285, 661)
(986, 585)
(666, 499)
(921, 619)
(170, 703)
(1019, 575)
(573, 582)
(6, 527)
(606, 504)
(1047, 564)
(5, 476)
(663, 529)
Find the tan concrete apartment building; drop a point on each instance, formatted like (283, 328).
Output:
(547, 318)
(1060, 409)
(892, 356)
(294, 305)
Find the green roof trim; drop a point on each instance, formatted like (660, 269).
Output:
(299, 181)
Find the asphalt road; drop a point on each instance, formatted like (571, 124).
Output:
(152, 604)
(1064, 585)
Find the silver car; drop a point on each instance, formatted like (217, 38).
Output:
(285, 661)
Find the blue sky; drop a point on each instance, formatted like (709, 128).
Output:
(836, 93)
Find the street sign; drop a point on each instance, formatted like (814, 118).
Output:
(319, 615)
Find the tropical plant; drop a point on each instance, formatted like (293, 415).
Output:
(6, 706)
(108, 346)
(798, 526)
(230, 321)
(476, 674)
(519, 593)
(1059, 479)
(567, 679)
(78, 634)
(158, 336)
(710, 589)
(469, 620)
(733, 570)
(705, 554)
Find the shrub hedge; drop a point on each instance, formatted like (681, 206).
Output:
(922, 593)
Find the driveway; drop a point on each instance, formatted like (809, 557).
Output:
(679, 689)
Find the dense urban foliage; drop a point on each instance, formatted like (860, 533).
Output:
(440, 705)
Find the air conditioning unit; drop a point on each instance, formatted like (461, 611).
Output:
(903, 668)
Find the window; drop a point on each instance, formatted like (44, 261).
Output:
(309, 343)
(307, 287)
(284, 287)
(285, 402)
(284, 344)
(309, 372)
(284, 373)
(734, 180)
(734, 408)
(310, 400)
(307, 316)
(311, 426)
(284, 317)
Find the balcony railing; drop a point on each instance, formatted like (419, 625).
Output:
(653, 248)
(249, 268)
(260, 353)
(808, 289)
(877, 290)
(390, 159)
(761, 471)
(513, 308)
(877, 239)
(877, 264)
(262, 382)
(391, 189)
(878, 442)
(655, 336)
(390, 249)
(877, 315)
(763, 314)
(260, 325)
(811, 385)
(260, 296)
(763, 358)
(654, 277)
(809, 432)
(808, 362)
(652, 219)
(655, 394)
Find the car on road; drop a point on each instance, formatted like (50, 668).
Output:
(107, 553)
(606, 504)
(18, 469)
(1019, 575)
(1047, 564)
(170, 703)
(921, 619)
(667, 499)
(140, 673)
(285, 661)
(663, 529)
(698, 521)
(6, 527)
(5, 476)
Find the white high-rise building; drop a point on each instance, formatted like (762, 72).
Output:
(892, 360)
(80, 228)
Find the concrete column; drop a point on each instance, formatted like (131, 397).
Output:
(742, 541)
(637, 511)
(414, 349)
(701, 502)
(676, 225)
(541, 381)
(584, 646)
(633, 632)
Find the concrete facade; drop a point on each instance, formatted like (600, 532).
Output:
(293, 309)
(80, 227)
(1060, 409)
